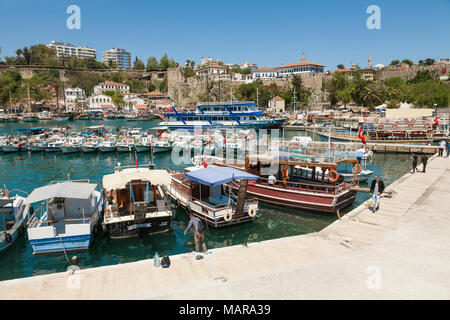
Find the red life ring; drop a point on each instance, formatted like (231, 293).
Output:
(411, 125)
(380, 126)
(358, 168)
(427, 124)
(336, 176)
(406, 120)
(377, 120)
(439, 115)
(413, 121)
(395, 125)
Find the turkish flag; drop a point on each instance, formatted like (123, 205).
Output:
(361, 136)
(205, 164)
(444, 70)
(437, 121)
(137, 166)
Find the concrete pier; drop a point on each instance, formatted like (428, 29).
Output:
(399, 252)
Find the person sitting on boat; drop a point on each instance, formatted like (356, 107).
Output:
(376, 189)
(199, 232)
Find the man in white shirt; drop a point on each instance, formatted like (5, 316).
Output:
(441, 147)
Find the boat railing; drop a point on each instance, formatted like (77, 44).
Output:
(301, 186)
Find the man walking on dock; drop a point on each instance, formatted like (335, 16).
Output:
(415, 158)
(376, 189)
(441, 148)
(424, 161)
(199, 232)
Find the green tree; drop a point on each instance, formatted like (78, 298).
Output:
(373, 95)
(138, 64)
(394, 62)
(152, 64)
(340, 66)
(407, 61)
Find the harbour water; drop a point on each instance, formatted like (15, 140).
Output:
(27, 171)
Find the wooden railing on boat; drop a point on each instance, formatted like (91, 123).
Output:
(301, 186)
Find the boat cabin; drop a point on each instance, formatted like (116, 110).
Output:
(136, 202)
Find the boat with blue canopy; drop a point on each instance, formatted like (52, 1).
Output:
(204, 192)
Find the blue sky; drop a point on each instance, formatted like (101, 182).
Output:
(269, 33)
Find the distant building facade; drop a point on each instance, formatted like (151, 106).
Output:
(264, 73)
(277, 105)
(73, 95)
(246, 65)
(111, 86)
(300, 67)
(213, 69)
(69, 50)
(121, 57)
(101, 102)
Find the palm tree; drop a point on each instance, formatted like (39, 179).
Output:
(373, 95)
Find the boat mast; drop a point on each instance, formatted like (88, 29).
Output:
(29, 100)
(10, 101)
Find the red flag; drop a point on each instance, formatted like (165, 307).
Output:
(361, 136)
(137, 166)
(224, 141)
(205, 164)
(437, 121)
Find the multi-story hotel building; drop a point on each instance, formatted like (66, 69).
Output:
(121, 57)
(69, 50)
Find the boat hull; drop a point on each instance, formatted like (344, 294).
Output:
(131, 228)
(56, 245)
(50, 150)
(66, 150)
(142, 148)
(88, 149)
(124, 148)
(107, 149)
(309, 201)
(10, 149)
(36, 149)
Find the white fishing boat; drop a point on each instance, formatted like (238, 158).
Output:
(54, 146)
(12, 214)
(136, 204)
(348, 175)
(13, 146)
(108, 145)
(161, 145)
(203, 192)
(72, 145)
(90, 146)
(66, 218)
(37, 146)
(143, 144)
(125, 145)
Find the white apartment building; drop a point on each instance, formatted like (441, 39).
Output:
(121, 57)
(264, 73)
(101, 102)
(111, 86)
(69, 50)
(213, 69)
(73, 95)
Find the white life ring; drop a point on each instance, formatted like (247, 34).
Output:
(228, 216)
(252, 212)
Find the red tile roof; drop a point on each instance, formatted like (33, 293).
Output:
(301, 64)
(161, 102)
(277, 98)
(141, 106)
(264, 69)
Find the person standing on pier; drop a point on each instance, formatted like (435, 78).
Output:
(441, 148)
(199, 232)
(424, 161)
(376, 189)
(447, 146)
(415, 158)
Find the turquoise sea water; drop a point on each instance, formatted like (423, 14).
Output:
(27, 171)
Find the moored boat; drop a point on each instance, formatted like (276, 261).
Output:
(66, 219)
(137, 204)
(202, 192)
(12, 214)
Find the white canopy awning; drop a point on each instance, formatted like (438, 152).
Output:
(68, 189)
(119, 180)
